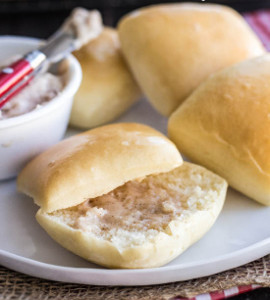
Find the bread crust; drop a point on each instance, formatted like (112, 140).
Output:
(179, 235)
(95, 162)
(225, 126)
(108, 88)
(172, 48)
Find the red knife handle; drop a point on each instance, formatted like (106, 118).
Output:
(13, 91)
(12, 74)
(16, 76)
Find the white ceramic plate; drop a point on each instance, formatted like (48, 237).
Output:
(240, 235)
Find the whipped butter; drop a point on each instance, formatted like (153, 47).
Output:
(132, 213)
(134, 206)
(139, 210)
(36, 94)
(85, 25)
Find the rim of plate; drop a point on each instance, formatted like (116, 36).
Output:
(264, 244)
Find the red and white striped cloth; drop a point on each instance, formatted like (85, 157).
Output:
(219, 295)
(259, 21)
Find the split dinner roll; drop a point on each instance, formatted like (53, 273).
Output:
(172, 48)
(121, 196)
(225, 126)
(108, 88)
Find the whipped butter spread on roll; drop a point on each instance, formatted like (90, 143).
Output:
(125, 206)
(124, 214)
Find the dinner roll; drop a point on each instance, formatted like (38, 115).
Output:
(141, 224)
(225, 126)
(120, 196)
(172, 48)
(108, 88)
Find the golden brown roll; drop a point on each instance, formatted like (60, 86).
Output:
(108, 88)
(225, 126)
(172, 48)
(120, 196)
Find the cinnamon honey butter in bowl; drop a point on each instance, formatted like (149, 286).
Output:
(122, 197)
(37, 117)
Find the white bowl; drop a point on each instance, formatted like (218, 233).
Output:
(25, 136)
